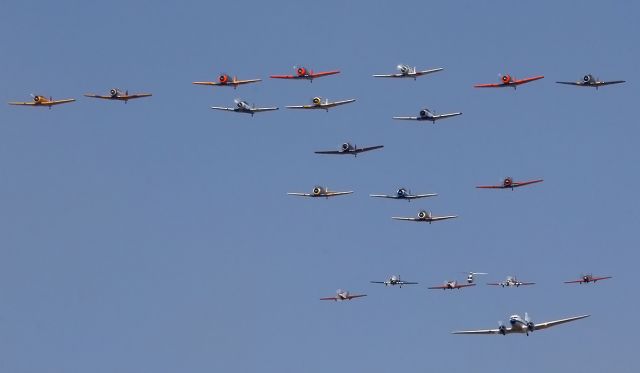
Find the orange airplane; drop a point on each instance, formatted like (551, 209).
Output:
(226, 80)
(42, 101)
(508, 81)
(304, 73)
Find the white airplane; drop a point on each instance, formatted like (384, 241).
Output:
(425, 216)
(591, 81)
(118, 95)
(404, 193)
(343, 295)
(244, 107)
(520, 325)
(348, 148)
(510, 281)
(428, 115)
(470, 275)
(451, 285)
(319, 191)
(321, 103)
(406, 71)
(394, 280)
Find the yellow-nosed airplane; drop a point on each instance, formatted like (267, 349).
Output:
(116, 94)
(43, 101)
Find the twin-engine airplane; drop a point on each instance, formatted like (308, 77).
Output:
(343, 295)
(591, 81)
(319, 191)
(452, 285)
(408, 72)
(226, 80)
(321, 103)
(394, 280)
(511, 281)
(426, 114)
(304, 73)
(244, 107)
(520, 325)
(116, 94)
(508, 183)
(425, 216)
(42, 101)
(348, 148)
(404, 193)
(585, 279)
(508, 81)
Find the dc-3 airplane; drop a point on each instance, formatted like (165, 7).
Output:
(425, 216)
(304, 73)
(319, 191)
(343, 295)
(509, 81)
(244, 107)
(591, 81)
(470, 278)
(408, 72)
(585, 279)
(348, 148)
(226, 80)
(451, 285)
(404, 193)
(321, 103)
(116, 94)
(510, 281)
(393, 281)
(42, 101)
(508, 183)
(428, 115)
(520, 325)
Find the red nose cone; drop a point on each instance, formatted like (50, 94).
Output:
(223, 78)
(506, 79)
(301, 71)
(508, 181)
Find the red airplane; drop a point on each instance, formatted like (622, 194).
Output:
(343, 295)
(509, 183)
(452, 285)
(508, 81)
(304, 73)
(587, 279)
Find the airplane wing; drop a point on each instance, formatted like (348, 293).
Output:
(382, 196)
(368, 148)
(349, 297)
(405, 118)
(23, 103)
(388, 75)
(574, 281)
(600, 278)
(93, 95)
(377, 282)
(407, 283)
(284, 76)
(440, 287)
(459, 286)
(549, 324)
(332, 194)
(246, 81)
(482, 331)
(491, 187)
(416, 196)
(407, 219)
(572, 83)
(137, 95)
(330, 298)
(338, 103)
(437, 218)
(260, 109)
(330, 152)
(223, 108)
(525, 283)
(300, 194)
(527, 80)
(58, 102)
(494, 283)
(303, 107)
(523, 183)
(443, 116)
(425, 72)
(491, 85)
(609, 83)
(324, 73)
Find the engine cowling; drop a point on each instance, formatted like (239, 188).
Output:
(345, 147)
(36, 98)
(240, 104)
(401, 192)
(502, 329)
(508, 181)
(403, 68)
(301, 71)
(506, 78)
(423, 214)
(113, 92)
(587, 78)
(425, 113)
(317, 100)
(317, 191)
(223, 78)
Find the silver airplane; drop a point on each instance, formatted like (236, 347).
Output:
(451, 284)
(428, 115)
(520, 325)
(321, 103)
(511, 281)
(404, 193)
(591, 81)
(319, 191)
(425, 216)
(118, 95)
(406, 71)
(348, 148)
(244, 107)
(470, 278)
(394, 280)
(343, 295)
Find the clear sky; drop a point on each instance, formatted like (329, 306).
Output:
(157, 236)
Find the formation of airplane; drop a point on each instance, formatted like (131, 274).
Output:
(116, 94)
(226, 80)
(319, 191)
(452, 285)
(348, 148)
(404, 193)
(39, 100)
(508, 81)
(508, 183)
(511, 281)
(304, 73)
(343, 295)
(425, 216)
(428, 115)
(394, 280)
(518, 324)
(585, 279)
(321, 103)
(591, 81)
(244, 107)
(406, 71)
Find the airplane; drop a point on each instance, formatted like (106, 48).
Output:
(591, 81)
(408, 72)
(404, 193)
(320, 103)
(319, 191)
(452, 285)
(510, 281)
(426, 114)
(587, 279)
(116, 94)
(244, 107)
(226, 80)
(343, 295)
(509, 183)
(348, 148)
(394, 280)
(304, 73)
(520, 325)
(508, 81)
(470, 275)
(425, 216)
(39, 100)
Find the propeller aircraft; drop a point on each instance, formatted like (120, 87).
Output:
(304, 73)
(343, 295)
(520, 325)
(116, 94)
(352, 149)
(319, 191)
(425, 216)
(406, 71)
(508, 81)
(244, 107)
(428, 115)
(226, 80)
(394, 280)
(404, 193)
(511, 281)
(508, 183)
(39, 100)
(585, 279)
(321, 103)
(591, 81)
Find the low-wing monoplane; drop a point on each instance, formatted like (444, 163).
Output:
(511, 281)
(425, 216)
(585, 279)
(394, 280)
(116, 94)
(404, 193)
(321, 103)
(520, 325)
(508, 81)
(451, 285)
(304, 73)
(351, 149)
(343, 295)
(405, 71)
(508, 183)
(226, 80)
(470, 276)
(319, 191)
(244, 107)
(428, 115)
(39, 100)
(591, 81)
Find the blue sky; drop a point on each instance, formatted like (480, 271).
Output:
(158, 236)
